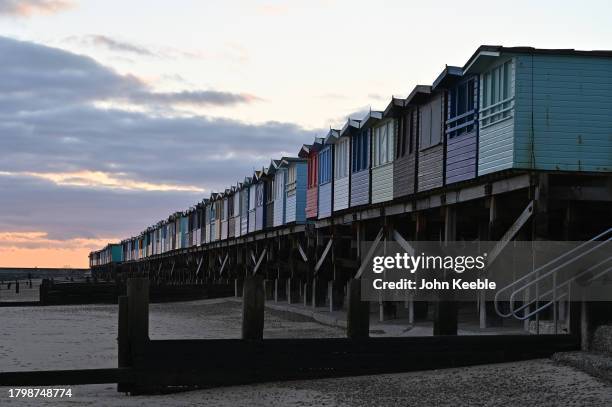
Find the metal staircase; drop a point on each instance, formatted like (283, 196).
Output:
(524, 296)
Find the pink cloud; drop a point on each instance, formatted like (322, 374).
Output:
(27, 8)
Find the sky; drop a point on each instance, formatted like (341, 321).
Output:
(115, 114)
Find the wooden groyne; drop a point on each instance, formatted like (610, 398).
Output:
(152, 366)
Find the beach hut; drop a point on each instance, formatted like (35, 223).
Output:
(404, 165)
(233, 213)
(244, 206)
(361, 163)
(219, 207)
(311, 153)
(278, 173)
(206, 223)
(224, 215)
(112, 253)
(268, 180)
(212, 217)
(162, 237)
(134, 244)
(460, 123)
(252, 201)
(430, 159)
(295, 189)
(384, 134)
(543, 109)
(342, 163)
(139, 250)
(236, 209)
(260, 199)
(125, 249)
(200, 223)
(184, 225)
(326, 176)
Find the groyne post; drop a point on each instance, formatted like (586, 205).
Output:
(253, 300)
(358, 316)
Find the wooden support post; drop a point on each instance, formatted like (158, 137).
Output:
(335, 293)
(445, 309)
(487, 315)
(386, 309)
(280, 287)
(138, 312)
(307, 292)
(421, 308)
(269, 289)
(293, 284)
(253, 301)
(358, 315)
(541, 217)
(238, 287)
(123, 342)
(319, 292)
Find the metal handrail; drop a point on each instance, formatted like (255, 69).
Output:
(556, 287)
(554, 271)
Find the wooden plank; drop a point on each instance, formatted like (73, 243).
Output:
(188, 362)
(223, 264)
(323, 256)
(516, 226)
(66, 377)
(302, 253)
(261, 257)
(366, 260)
(402, 242)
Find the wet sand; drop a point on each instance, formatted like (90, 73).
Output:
(85, 337)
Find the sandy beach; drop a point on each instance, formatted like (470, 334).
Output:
(64, 337)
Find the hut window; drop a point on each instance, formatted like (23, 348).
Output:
(461, 109)
(269, 185)
(244, 201)
(252, 195)
(278, 185)
(219, 209)
(291, 181)
(431, 123)
(230, 206)
(236, 199)
(341, 159)
(403, 135)
(360, 151)
(382, 144)
(260, 195)
(312, 171)
(325, 166)
(497, 94)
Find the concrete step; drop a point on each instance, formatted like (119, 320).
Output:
(596, 364)
(602, 339)
(548, 327)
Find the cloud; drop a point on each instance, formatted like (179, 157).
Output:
(235, 53)
(113, 44)
(74, 170)
(36, 77)
(193, 98)
(26, 8)
(99, 179)
(273, 10)
(39, 239)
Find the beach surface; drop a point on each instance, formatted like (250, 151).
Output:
(65, 337)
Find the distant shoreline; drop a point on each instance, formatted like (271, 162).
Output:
(11, 273)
